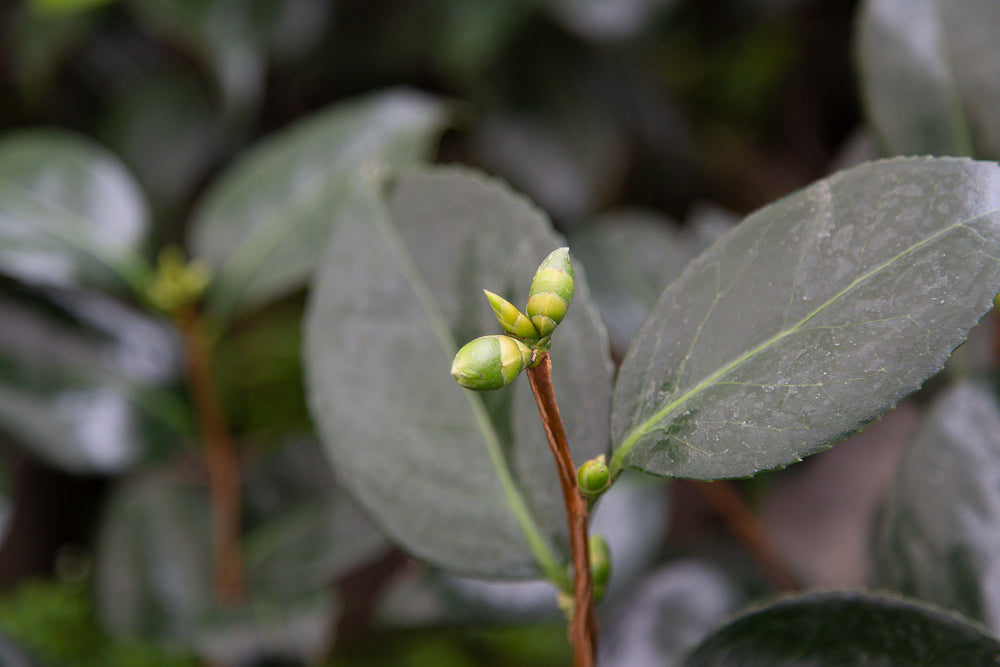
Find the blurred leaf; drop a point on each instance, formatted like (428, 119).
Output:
(153, 577)
(65, 6)
(927, 76)
(166, 129)
(70, 213)
(234, 38)
(309, 533)
(56, 621)
(37, 45)
(631, 256)
(400, 289)
(669, 613)
(566, 164)
(12, 655)
(810, 319)
(81, 382)
(607, 20)
(634, 517)
(846, 629)
(939, 538)
(263, 225)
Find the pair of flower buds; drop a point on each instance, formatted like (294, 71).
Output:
(492, 362)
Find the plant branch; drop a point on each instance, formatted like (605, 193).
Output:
(582, 625)
(750, 531)
(221, 459)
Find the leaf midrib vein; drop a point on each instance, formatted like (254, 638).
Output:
(541, 550)
(629, 442)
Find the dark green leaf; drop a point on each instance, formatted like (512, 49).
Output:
(926, 75)
(939, 537)
(81, 381)
(810, 319)
(70, 214)
(462, 479)
(856, 629)
(264, 224)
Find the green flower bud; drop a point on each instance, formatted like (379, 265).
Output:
(177, 282)
(551, 291)
(490, 362)
(600, 565)
(511, 319)
(593, 477)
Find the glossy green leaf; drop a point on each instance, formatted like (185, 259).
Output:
(939, 537)
(264, 224)
(70, 213)
(927, 76)
(857, 629)
(810, 319)
(82, 382)
(462, 479)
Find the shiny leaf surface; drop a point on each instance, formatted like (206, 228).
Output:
(399, 292)
(810, 319)
(858, 629)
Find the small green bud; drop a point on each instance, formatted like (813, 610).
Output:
(490, 362)
(510, 318)
(177, 282)
(600, 565)
(593, 477)
(551, 291)
(996, 302)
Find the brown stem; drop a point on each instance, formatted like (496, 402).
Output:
(221, 459)
(582, 626)
(749, 530)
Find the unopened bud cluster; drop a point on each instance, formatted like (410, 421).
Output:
(492, 362)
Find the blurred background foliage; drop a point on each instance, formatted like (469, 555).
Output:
(644, 128)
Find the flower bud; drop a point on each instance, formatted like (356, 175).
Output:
(511, 319)
(551, 291)
(593, 477)
(600, 565)
(490, 362)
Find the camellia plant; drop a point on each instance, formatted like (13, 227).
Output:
(807, 321)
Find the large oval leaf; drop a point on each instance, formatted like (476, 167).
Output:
(70, 213)
(83, 381)
(810, 319)
(939, 538)
(462, 479)
(927, 76)
(846, 629)
(264, 224)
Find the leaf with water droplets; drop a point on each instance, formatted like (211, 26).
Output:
(810, 319)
